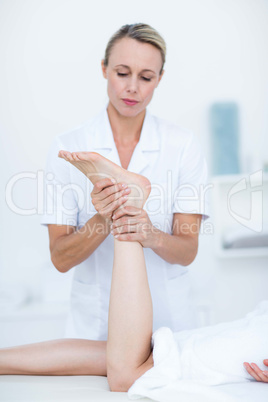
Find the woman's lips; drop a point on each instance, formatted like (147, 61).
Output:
(130, 102)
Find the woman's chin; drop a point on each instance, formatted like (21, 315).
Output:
(130, 111)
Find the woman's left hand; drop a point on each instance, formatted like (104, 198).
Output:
(135, 226)
(256, 372)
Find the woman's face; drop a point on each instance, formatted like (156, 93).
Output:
(132, 73)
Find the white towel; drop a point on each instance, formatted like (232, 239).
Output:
(197, 361)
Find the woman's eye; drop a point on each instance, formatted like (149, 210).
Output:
(125, 74)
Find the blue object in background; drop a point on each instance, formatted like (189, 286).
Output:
(224, 138)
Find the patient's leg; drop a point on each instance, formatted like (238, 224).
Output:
(130, 330)
(130, 310)
(130, 316)
(57, 357)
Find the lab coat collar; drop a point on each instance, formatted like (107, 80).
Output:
(149, 141)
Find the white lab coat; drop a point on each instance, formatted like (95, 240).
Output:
(172, 160)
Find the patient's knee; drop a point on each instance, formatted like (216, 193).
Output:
(120, 380)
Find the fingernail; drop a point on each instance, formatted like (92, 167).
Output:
(116, 236)
(113, 181)
(244, 364)
(124, 185)
(112, 232)
(125, 197)
(265, 372)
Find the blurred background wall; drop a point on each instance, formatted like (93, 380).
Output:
(51, 81)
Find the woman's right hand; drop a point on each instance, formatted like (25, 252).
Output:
(107, 196)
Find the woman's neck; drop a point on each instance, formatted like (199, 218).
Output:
(126, 130)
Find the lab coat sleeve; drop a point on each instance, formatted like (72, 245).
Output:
(59, 201)
(192, 191)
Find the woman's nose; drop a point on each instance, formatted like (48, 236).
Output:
(132, 85)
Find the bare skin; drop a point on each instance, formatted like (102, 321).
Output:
(127, 353)
(96, 167)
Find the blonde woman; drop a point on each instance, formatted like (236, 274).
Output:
(78, 214)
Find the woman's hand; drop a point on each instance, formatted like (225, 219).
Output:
(135, 226)
(256, 372)
(107, 196)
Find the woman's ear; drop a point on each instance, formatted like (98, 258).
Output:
(103, 67)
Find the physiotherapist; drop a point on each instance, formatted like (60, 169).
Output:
(79, 215)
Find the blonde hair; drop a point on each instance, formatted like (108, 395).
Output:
(142, 33)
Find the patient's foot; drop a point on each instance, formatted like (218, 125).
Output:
(96, 167)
